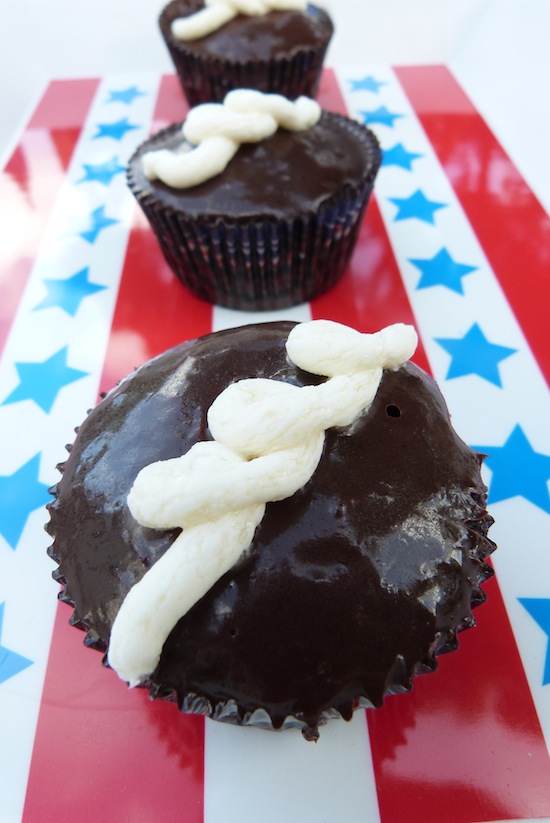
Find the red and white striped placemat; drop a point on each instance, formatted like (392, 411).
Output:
(454, 242)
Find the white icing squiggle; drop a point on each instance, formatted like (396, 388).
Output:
(216, 13)
(216, 130)
(268, 440)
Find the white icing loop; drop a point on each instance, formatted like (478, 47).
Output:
(330, 348)
(294, 115)
(216, 13)
(268, 440)
(193, 168)
(216, 130)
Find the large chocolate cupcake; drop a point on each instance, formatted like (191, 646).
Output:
(281, 52)
(277, 227)
(350, 586)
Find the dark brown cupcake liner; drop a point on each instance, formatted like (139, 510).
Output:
(398, 681)
(260, 263)
(205, 79)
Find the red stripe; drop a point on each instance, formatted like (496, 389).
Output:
(466, 745)
(154, 311)
(104, 753)
(171, 105)
(30, 183)
(511, 224)
(64, 105)
(371, 294)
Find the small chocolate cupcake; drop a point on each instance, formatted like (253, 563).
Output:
(280, 51)
(277, 227)
(235, 556)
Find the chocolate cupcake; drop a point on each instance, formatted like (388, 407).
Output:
(278, 225)
(267, 545)
(278, 51)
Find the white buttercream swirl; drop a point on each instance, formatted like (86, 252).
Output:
(216, 130)
(268, 439)
(216, 13)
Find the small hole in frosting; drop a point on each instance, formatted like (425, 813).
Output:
(393, 411)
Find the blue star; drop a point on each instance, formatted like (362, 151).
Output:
(368, 83)
(399, 156)
(417, 205)
(380, 115)
(20, 494)
(95, 223)
(441, 270)
(42, 381)
(115, 130)
(539, 609)
(518, 470)
(101, 172)
(68, 293)
(473, 354)
(10, 662)
(125, 95)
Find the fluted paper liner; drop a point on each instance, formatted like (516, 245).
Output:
(261, 263)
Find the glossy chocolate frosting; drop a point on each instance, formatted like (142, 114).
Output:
(290, 174)
(272, 36)
(350, 587)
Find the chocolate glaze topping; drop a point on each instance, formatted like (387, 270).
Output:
(351, 586)
(276, 35)
(291, 173)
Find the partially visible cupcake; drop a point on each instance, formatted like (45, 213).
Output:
(271, 45)
(278, 224)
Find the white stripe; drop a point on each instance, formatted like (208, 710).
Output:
(482, 413)
(25, 429)
(229, 318)
(253, 775)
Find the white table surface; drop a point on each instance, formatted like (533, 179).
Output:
(497, 49)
